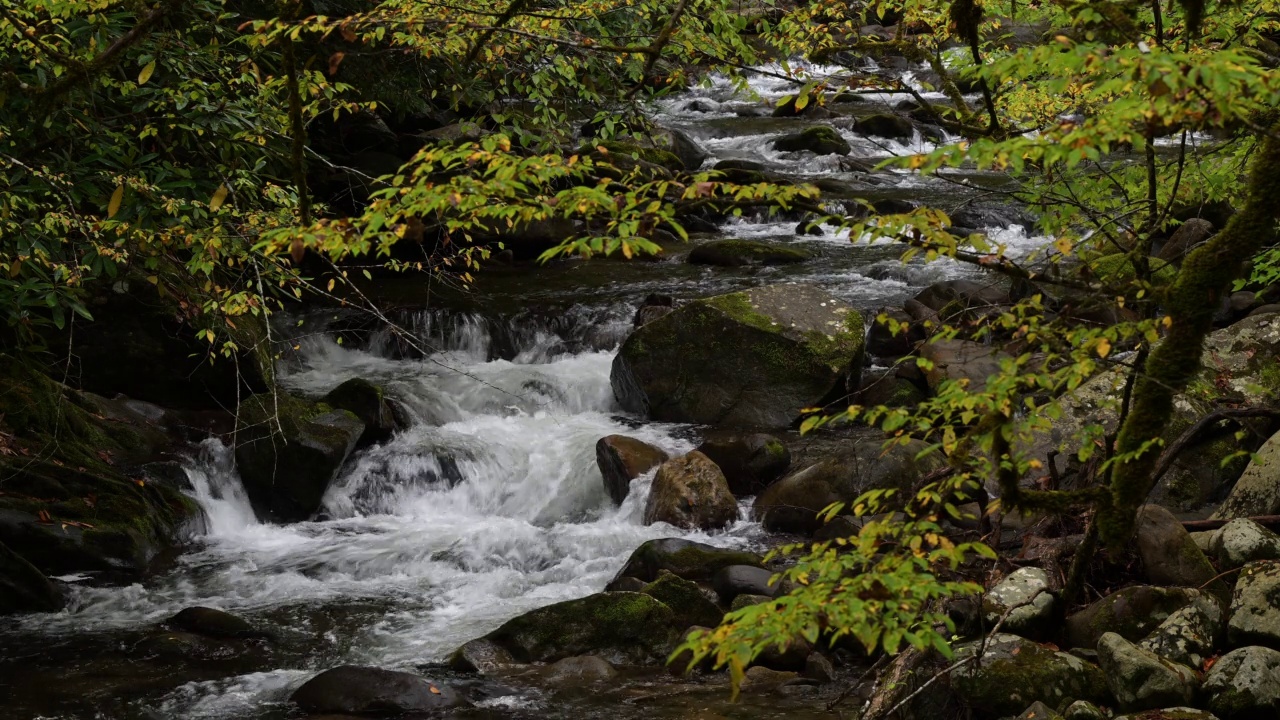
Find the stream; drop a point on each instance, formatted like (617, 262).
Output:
(490, 505)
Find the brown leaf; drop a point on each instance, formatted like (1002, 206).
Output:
(43, 515)
(334, 61)
(297, 250)
(347, 33)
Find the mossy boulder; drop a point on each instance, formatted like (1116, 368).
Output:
(755, 358)
(77, 494)
(819, 140)
(356, 690)
(736, 253)
(1131, 612)
(1140, 679)
(288, 450)
(688, 601)
(1255, 606)
(682, 558)
(1245, 684)
(792, 504)
(690, 492)
(750, 461)
(622, 627)
(369, 404)
(1014, 672)
(1257, 491)
(744, 172)
(886, 126)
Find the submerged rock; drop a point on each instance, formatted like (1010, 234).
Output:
(622, 459)
(1014, 672)
(691, 492)
(792, 504)
(288, 450)
(736, 253)
(682, 558)
(215, 623)
(755, 358)
(622, 627)
(356, 690)
(1142, 680)
(750, 462)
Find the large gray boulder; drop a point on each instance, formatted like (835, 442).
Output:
(1142, 680)
(288, 450)
(356, 690)
(792, 504)
(1023, 600)
(1255, 606)
(1244, 684)
(962, 361)
(1014, 672)
(755, 358)
(691, 492)
(1242, 541)
(1190, 634)
(1257, 492)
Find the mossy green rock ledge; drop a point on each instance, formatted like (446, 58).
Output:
(621, 627)
(748, 359)
(1014, 672)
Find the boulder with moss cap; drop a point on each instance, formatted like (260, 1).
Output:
(755, 358)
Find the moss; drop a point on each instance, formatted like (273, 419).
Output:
(622, 626)
(686, 600)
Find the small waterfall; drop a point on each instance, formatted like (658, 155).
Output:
(217, 487)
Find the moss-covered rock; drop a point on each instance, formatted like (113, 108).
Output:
(691, 492)
(793, 503)
(755, 358)
(688, 601)
(885, 125)
(744, 172)
(819, 140)
(355, 690)
(1140, 679)
(1255, 606)
(622, 627)
(1014, 672)
(367, 402)
(683, 558)
(76, 495)
(1244, 684)
(735, 253)
(1132, 613)
(288, 450)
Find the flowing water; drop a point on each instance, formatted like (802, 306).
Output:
(488, 506)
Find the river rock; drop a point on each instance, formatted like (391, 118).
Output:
(735, 580)
(691, 492)
(961, 360)
(962, 294)
(1255, 611)
(792, 503)
(1142, 680)
(886, 126)
(737, 253)
(1243, 362)
(1188, 235)
(655, 305)
(288, 450)
(1168, 553)
(621, 627)
(682, 558)
(574, 671)
(356, 690)
(883, 343)
(1257, 492)
(1083, 710)
(1132, 612)
(819, 140)
(480, 655)
(1242, 541)
(1244, 684)
(742, 601)
(1189, 635)
(367, 402)
(23, 588)
(1040, 711)
(755, 358)
(688, 601)
(1027, 590)
(215, 623)
(1014, 672)
(762, 679)
(622, 459)
(1178, 713)
(818, 667)
(750, 461)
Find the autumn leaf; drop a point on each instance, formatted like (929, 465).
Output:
(146, 73)
(219, 197)
(334, 61)
(113, 206)
(1104, 347)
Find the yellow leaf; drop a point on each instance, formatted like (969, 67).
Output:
(113, 207)
(1063, 245)
(146, 73)
(1104, 347)
(219, 197)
